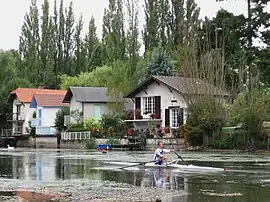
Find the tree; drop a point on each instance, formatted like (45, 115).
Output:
(113, 36)
(29, 46)
(60, 117)
(93, 47)
(132, 41)
(160, 63)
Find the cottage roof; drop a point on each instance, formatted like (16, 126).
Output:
(87, 94)
(183, 85)
(25, 94)
(48, 100)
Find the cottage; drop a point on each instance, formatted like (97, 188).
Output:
(46, 107)
(21, 111)
(92, 102)
(165, 99)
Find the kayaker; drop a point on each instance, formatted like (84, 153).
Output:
(159, 156)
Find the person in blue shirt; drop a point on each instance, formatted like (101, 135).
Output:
(159, 157)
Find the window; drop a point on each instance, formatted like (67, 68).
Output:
(175, 114)
(149, 105)
(97, 111)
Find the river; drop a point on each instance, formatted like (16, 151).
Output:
(72, 175)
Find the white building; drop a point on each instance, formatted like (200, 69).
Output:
(46, 107)
(22, 114)
(167, 98)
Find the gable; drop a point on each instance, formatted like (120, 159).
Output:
(183, 85)
(33, 103)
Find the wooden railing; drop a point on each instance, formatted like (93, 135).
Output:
(76, 135)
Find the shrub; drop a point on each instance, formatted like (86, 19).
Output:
(59, 119)
(91, 143)
(113, 141)
(112, 123)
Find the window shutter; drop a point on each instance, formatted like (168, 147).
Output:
(157, 106)
(181, 117)
(137, 103)
(167, 117)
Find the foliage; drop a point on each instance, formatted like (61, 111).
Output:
(113, 141)
(206, 113)
(160, 63)
(251, 109)
(92, 123)
(59, 118)
(230, 141)
(90, 144)
(112, 123)
(99, 77)
(190, 132)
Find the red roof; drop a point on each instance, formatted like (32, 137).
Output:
(26, 94)
(50, 100)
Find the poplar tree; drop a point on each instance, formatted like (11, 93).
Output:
(29, 45)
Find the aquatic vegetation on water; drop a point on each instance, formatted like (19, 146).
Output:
(84, 190)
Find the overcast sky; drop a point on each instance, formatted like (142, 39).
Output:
(12, 14)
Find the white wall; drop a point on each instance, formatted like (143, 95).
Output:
(88, 109)
(166, 96)
(48, 115)
(91, 110)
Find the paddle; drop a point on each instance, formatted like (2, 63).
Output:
(180, 157)
(137, 164)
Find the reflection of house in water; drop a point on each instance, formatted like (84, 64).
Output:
(30, 166)
(68, 168)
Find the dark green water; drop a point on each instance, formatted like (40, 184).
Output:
(72, 173)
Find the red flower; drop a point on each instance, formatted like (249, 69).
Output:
(153, 116)
(131, 131)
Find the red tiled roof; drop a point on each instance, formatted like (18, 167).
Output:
(26, 94)
(50, 100)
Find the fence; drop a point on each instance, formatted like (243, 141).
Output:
(86, 135)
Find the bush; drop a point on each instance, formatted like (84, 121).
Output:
(235, 140)
(59, 119)
(77, 129)
(113, 141)
(91, 143)
(113, 123)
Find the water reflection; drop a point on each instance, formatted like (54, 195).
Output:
(54, 166)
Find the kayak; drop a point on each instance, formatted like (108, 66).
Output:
(173, 164)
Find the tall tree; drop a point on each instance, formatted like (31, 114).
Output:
(177, 22)
(68, 38)
(29, 45)
(192, 22)
(46, 45)
(113, 31)
(92, 47)
(150, 32)
(79, 59)
(132, 42)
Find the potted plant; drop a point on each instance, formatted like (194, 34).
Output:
(166, 130)
(138, 114)
(131, 131)
(152, 116)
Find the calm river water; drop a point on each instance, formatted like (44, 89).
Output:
(81, 176)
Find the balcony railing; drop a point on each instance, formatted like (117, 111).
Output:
(36, 122)
(17, 130)
(76, 135)
(45, 130)
(6, 133)
(16, 117)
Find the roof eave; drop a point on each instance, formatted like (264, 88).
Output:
(68, 96)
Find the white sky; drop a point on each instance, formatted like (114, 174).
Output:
(12, 14)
